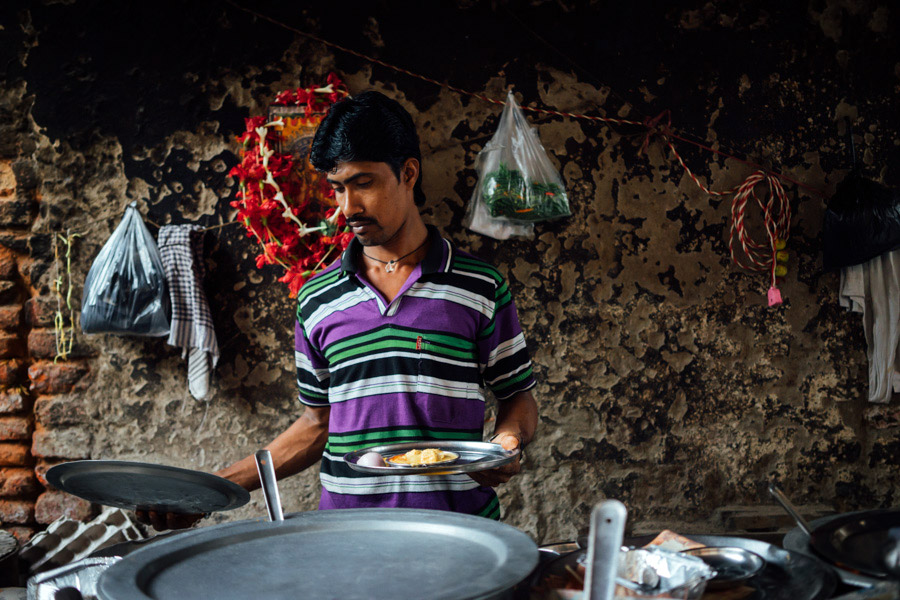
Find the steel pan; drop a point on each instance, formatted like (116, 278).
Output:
(364, 554)
(144, 486)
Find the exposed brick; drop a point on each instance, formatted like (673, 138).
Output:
(61, 443)
(60, 411)
(53, 505)
(17, 210)
(12, 372)
(14, 429)
(13, 401)
(23, 534)
(9, 292)
(10, 317)
(17, 242)
(11, 345)
(17, 512)
(41, 468)
(41, 310)
(42, 344)
(59, 378)
(9, 269)
(14, 455)
(18, 482)
(7, 179)
(26, 175)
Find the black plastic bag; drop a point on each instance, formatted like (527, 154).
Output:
(125, 290)
(862, 221)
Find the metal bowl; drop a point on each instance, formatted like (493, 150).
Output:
(733, 565)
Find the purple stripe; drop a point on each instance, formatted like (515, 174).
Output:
(406, 410)
(468, 502)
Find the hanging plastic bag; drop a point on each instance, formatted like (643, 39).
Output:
(517, 182)
(862, 221)
(125, 290)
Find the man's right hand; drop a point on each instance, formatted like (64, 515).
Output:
(161, 521)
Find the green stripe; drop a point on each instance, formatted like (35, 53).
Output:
(478, 267)
(317, 284)
(516, 379)
(491, 510)
(338, 443)
(401, 333)
(397, 345)
(487, 331)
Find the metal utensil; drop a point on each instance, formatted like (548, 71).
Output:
(269, 485)
(732, 565)
(789, 507)
(607, 530)
(473, 456)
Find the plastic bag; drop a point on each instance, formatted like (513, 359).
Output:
(517, 183)
(125, 290)
(862, 221)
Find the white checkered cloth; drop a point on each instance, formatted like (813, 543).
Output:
(181, 251)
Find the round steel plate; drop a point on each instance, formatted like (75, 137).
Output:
(364, 554)
(473, 456)
(134, 486)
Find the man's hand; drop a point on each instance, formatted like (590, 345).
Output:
(495, 477)
(162, 521)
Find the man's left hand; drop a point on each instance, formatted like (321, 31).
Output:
(494, 477)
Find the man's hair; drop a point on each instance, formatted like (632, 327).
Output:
(368, 127)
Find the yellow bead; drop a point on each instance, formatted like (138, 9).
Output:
(781, 256)
(780, 271)
(780, 244)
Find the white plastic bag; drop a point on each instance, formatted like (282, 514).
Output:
(125, 290)
(517, 183)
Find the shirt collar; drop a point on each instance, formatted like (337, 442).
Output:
(437, 260)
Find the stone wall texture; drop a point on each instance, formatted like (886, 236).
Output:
(664, 380)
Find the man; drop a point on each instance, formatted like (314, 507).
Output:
(398, 339)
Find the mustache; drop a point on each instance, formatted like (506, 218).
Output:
(353, 221)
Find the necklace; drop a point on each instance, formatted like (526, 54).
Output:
(391, 265)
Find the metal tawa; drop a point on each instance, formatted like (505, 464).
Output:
(797, 541)
(144, 486)
(473, 456)
(351, 554)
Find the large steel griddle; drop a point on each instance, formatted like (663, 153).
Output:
(847, 531)
(364, 554)
(144, 486)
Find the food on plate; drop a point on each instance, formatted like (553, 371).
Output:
(371, 459)
(422, 458)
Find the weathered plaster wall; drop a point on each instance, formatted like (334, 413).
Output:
(664, 380)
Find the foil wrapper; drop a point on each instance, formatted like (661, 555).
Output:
(82, 575)
(658, 573)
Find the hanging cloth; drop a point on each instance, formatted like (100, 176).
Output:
(873, 289)
(181, 251)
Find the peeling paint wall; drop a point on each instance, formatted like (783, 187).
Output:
(664, 379)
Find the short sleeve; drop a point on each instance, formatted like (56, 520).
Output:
(503, 354)
(312, 369)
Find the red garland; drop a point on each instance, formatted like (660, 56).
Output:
(284, 203)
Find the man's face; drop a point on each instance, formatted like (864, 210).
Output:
(374, 201)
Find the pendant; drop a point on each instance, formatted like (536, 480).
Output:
(390, 266)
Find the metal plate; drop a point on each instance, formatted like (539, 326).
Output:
(857, 541)
(797, 541)
(732, 565)
(134, 485)
(365, 554)
(473, 456)
(786, 576)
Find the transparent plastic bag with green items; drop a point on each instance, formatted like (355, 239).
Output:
(517, 182)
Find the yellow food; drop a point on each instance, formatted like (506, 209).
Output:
(419, 458)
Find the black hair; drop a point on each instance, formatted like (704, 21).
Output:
(367, 127)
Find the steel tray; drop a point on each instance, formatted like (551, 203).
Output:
(473, 456)
(144, 486)
(351, 554)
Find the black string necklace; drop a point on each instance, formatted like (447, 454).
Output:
(391, 265)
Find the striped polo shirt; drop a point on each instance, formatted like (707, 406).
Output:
(415, 368)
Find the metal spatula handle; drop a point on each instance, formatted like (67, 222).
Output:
(789, 507)
(605, 541)
(269, 485)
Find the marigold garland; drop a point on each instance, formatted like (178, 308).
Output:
(283, 202)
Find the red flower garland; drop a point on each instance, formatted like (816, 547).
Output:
(284, 203)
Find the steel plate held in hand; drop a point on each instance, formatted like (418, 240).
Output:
(134, 485)
(473, 456)
(351, 554)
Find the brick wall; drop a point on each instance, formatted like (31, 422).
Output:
(40, 420)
